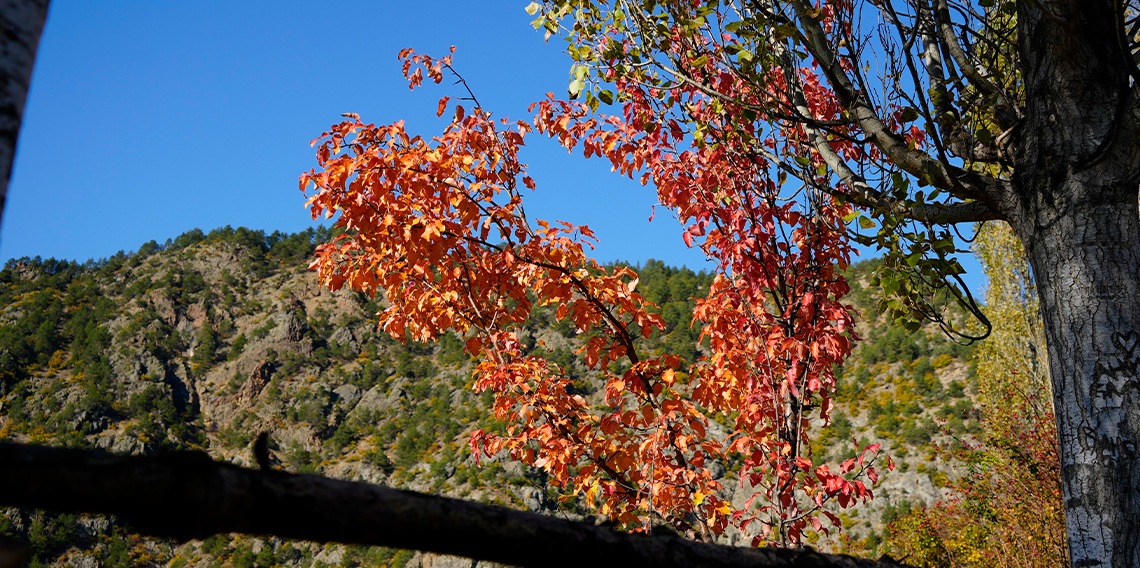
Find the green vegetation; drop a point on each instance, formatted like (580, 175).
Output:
(128, 353)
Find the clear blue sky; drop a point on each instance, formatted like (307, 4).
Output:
(146, 119)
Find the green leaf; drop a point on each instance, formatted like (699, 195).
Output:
(576, 87)
(606, 97)
(899, 181)
(592, 101)
(908, 114)
(867, 223)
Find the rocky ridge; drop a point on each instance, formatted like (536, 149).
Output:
(210, 339)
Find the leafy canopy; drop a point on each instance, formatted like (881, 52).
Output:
(438, 227)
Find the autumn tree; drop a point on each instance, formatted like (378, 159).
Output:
(924, 115)
(438, 226)
(759, 120)
(1014, 358)
(468, 258)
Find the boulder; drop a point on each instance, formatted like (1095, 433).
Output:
(348, 394)
(257, 381)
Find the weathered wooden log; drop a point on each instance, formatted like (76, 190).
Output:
(187, 495)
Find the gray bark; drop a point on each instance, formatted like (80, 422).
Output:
(1075, 210)
(187, 495)
(21, 22)
(1086, 266)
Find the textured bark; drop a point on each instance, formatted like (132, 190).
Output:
(21, 22)
(1075, 210)
(187, 495)
(1086, 266)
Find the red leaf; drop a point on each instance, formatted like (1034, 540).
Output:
(474, 345)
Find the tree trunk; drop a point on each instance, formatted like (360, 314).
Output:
(21, 22)
(1087, 266)
(1076, 177)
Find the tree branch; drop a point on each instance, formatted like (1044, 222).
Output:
(21, 22)
(860, 192)
(186, 495)
(960, 183)
(972, 73)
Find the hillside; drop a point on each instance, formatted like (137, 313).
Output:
(209, 339)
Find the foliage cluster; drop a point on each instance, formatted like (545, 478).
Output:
(439, 228)
(1007, 508)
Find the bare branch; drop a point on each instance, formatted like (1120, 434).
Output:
(862, 193)
(974, 75)
(962, 184)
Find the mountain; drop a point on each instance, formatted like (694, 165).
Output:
(207, 340)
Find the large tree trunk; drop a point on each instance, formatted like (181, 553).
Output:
(21, 22)
(1077, 173)
(1087, 265)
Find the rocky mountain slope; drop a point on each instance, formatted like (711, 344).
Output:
(209, 339)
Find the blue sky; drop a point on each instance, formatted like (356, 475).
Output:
(146, 119)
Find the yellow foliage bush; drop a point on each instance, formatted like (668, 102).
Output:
(1007, 510)
(941, 360)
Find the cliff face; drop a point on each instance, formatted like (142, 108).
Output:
(208, 340)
